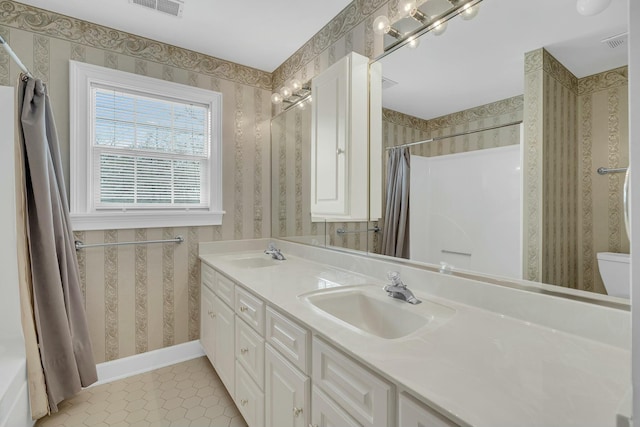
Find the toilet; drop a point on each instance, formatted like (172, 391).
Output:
(615, 273)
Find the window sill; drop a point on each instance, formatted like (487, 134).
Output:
(123, 220)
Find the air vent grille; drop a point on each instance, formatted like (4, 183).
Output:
(616, 41)
(170, 7)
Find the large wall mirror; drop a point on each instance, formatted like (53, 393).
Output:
(523, 198)
(521, 201)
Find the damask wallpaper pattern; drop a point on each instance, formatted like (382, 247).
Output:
(140, 298)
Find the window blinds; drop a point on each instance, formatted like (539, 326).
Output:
(150, 152)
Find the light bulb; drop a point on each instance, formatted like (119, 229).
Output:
(413, 42)
(405, 7)
(295, 85)
(381, 25)
(285, 92)
(592, 7)
(469, 12)
(439, 27)
(276, 98)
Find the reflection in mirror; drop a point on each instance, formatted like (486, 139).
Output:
(290, 187)
(522, 201)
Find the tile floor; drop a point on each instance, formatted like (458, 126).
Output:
(183, 395)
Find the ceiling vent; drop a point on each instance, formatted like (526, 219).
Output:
(170, 7)
(616, 41)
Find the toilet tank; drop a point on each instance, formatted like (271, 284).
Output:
(616, 274)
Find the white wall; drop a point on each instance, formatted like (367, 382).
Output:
(9, 301)
(469, 203)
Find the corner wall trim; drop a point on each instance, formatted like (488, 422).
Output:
(145, 362)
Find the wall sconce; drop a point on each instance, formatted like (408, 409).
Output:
(295, 93)
(382, 25)
(467, 9)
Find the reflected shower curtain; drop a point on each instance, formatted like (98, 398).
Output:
(395, 236)
(61, 325)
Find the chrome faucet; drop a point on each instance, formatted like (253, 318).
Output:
(399, 290)
(275, 253)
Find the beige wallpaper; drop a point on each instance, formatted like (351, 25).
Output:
(147, 297)
(573, 127)
(603, 141)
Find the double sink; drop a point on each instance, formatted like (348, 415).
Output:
(365, 308)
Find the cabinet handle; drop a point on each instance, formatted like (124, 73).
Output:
(244, 402)
(297, 412)
(243, 308)
(244, 350)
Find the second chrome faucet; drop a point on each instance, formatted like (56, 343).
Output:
(399, 290)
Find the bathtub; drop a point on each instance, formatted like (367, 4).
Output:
(14, 394)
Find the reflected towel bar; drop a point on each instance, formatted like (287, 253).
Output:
(375, 229)
(81, 245)
(605, 171)
(444, 251)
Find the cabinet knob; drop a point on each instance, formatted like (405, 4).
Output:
(339, 151)
(244, 402)
(244, 350)
(243, 308)
(212, 314)
(297, 412)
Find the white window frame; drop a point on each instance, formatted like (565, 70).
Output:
(84, 216)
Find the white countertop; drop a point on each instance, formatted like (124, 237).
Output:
(481, 368)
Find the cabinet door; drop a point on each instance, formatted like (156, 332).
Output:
(414, 414)
(286, 392)
(326, 413)
(249, 398)
(329, 133)
(224, 344)
(207, 323)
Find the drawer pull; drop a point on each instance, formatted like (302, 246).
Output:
(244, 350)
(212, 314)
(244, 402)
(243, 308)
(297, 412)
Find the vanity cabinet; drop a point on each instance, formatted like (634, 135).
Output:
(362, 394)
(281, 376)
(412, 413)
(287, 392)
(207, 322)
(224, 343)
(339, 141)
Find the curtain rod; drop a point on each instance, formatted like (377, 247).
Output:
(438, 138)
(13, 56)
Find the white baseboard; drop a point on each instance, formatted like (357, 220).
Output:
(144, 362)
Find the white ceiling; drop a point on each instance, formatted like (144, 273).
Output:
(482, 60)
(257, 33)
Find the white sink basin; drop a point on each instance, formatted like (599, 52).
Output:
(254, 262)
(369, 309)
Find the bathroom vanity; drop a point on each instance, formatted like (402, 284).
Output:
(313, 340)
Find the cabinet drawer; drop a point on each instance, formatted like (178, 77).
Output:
(250, 309)
(250, 351)
(249, 398)
(325, 412)
(362, 394)
(207, 275)
(412, 413)
(224, 288)
(289, 338)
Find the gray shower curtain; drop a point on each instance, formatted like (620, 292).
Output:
(61, 325)
(395, 237)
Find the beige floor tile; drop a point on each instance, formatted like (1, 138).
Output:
(189, 394)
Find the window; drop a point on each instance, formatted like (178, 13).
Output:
(144, 152)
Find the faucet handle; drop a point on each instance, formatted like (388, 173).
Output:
(394, 276)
